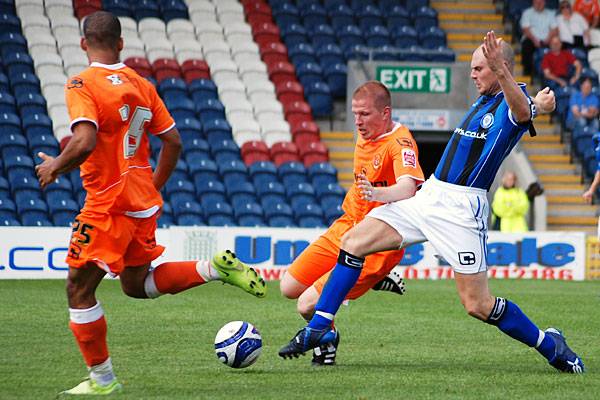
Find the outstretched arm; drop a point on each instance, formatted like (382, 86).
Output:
(404, 188)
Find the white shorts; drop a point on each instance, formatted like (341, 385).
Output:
(452, 218)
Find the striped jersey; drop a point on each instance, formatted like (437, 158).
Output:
(480, 143)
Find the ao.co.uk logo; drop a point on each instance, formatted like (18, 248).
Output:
(415, 79)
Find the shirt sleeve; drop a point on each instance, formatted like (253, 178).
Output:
(405, 156)
(525, 22)
(162, 121)
(80, 102)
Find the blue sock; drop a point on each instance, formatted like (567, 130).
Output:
(509, 318)
(342, 279)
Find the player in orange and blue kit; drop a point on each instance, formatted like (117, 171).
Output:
(112, 110)
(386, 168)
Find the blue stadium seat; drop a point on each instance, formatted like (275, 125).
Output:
(233, 171)
(57, 196)
(189, 127)
(293, 34)
(217, 130)
(181, 107)
(332, 212)
(350, 35)
(75, 178)
(313, 15)
(263, 172)
(322, 173)
(207, 187)
(251, 220)
(335, 75)
(358, 5)
(119, 8)
(301, 53)
(279, 215)
(286, 14)
(341, 15)
(210, 109)
(24, 83)
(368, 16)
(7, 103)
(306, 3)
(165, 221)
(292, 173)
(387, 53)
(221, 220)
(217, 208)
(12, 42)
(318, 96)
(248, 209)
(63, 212)
(334, 4)
(306, 209)
(203, 169)
(432, 37)
(322, 34)
(9, 222)
(309, 73)
(145, 9)
(180, 186)
(194, 147)
(46, 143)
(190, 220)
(155, 145)
(35, 208)
(8, 209)
(37, 124)
(186, 208)
(10, 123)
(33, 103)
(13, 144)
(332, 192)
(396, 15)
(441, 54)
(414, 5)
(270, 193)
(328, 54)
(4, 85)
(240, 193)
(310, 222)
(356, 52)
(18, 63)
(80, 197)
(224, 150)
(10, 23)
(203, 89)
(413, 53)
(172, 87)
(18, 163)
(405, 36)
(4, 188)
(61, 184)
(300, 193)
(33, 220)
(581, 55)
(173, 9)
(424, 17)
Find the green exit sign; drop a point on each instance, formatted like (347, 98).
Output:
(415, 79)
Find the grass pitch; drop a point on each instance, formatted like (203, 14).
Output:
(417, 346)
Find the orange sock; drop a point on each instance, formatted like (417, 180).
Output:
(174, 277)
(89, 327)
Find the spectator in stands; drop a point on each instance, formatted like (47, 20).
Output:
(539, 26)
(559, 66)
(588, 195)
(573, 28)
(590, 9)
(583, 107)
(511, 204)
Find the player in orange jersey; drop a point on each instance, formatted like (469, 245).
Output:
(386, 169)
(112, 110)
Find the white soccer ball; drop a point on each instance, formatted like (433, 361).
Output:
(238, 344)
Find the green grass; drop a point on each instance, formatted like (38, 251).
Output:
(417, 346)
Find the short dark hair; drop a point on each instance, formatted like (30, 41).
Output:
(102, 30)
(378, 91)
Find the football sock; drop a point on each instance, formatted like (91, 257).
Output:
(509, 318)
(102, 373)
(342, 279)
(89, 328)
(175, 277)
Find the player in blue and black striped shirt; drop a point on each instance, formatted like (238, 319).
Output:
(451, 212)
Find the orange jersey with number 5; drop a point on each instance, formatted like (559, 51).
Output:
(117, 175)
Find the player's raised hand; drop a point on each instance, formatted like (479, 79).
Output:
(545, 101)
(587, 196)
(45, 171)
(492, 51)
(365, 187)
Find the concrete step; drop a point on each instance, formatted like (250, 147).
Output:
(571, 190)
(574, 210)
(555, 179)
(543, 148)
(473, 38)
(346, 176)
(345, 184)
(470, 17)
(588, 229)
(337, 135)
(583, 222)
(564, 200)
(341, 155)
(550, 137)
(549, 158)
(339, 145)
(557, 169)
(476, 28)
(461, 7)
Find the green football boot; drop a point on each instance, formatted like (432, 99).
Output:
(90, 388)
(236, 273)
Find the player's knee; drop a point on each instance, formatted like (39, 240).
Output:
(290, 287)
(353, 244)
(79, 295)
(134, 291)
(475, 309)
(306, 308)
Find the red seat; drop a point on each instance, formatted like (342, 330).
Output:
(254, 150)
(295, 108)
(265, 32)
(257, 12)
(314, 152)
(289, 91)
(86, 7)
(273, 52)
(139, 65)
(282, 152)
(164, 68)
(304, 132)
(281, 72)
(195, 69)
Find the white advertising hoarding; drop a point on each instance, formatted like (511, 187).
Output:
(39, 253)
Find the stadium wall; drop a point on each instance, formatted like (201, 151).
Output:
(39, 253)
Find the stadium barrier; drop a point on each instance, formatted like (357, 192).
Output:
(592, 262)
(39, 253)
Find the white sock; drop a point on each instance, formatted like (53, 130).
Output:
(207, 271)
(103, 373)
(150, 286)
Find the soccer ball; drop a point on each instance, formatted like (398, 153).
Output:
(238, 344)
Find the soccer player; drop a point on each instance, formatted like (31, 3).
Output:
(386, 155)
(451, 211)
(111, 109)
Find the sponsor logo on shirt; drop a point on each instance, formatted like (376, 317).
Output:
(75, 83)
(115, 79)
(409, 158)
(487, 120)
(377, 161)
(476, 135)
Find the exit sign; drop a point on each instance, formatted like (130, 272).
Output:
(415, 79)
